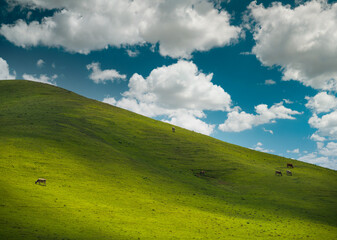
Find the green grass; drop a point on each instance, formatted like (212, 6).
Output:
(113, 174)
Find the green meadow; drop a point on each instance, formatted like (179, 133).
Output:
(114, 174)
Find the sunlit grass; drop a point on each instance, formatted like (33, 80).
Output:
(113, 174)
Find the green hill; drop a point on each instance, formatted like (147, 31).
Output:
(113, 174)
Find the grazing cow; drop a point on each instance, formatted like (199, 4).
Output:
(173, 129)
(289, 173)
(290, 165)
(41, 180)
(278, 173)
(202, 173)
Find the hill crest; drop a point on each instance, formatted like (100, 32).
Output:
(116, 174)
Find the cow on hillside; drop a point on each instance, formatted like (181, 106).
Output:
(41, 180)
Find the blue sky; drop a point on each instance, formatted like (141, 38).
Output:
(260, 74)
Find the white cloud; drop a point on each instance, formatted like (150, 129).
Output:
(322, 102)
(177, 86)
(182, 29)
(302, 41)
(179, 27)
(268, 131)
(319, 160)
(246, 53)
(269, 82)
(239, 121)
(29, 14)
(180, 93)
(190, 122)
(329, 150)
(43, 78)
(131, 53)
(99, 76)
(319, 145)
(110, 100)
(40, 63)
(298, 2)
(294, 151)
(317, 138)
(258, 147)
(326, 155)
(287, 101)
(4, 70)
(326, 125)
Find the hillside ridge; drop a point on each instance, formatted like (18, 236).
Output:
(114, 174)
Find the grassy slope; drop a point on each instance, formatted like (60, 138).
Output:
(113, 174)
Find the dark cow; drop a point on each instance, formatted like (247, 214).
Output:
(278, 173)
(290, 165)
(173, 129)
(289, 173)
(202, 173)
(41, 180)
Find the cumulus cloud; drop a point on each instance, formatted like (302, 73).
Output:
(324, 119)
(40, 63)
(179, 85)
(191, 122)
(323, 161)
(317, 138)
(329, 150)
(99, 76)
(325, 156)
(319, 145)
(301, 40)
(43, 78)
(258, 147)
(321, 102)
(287, 101)
(294, 151)
(132, 53)
(110, 100)
(179, 93)
(238, 121)
(269, 82)
(326, 125)
(4, 70)
(179, 27)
